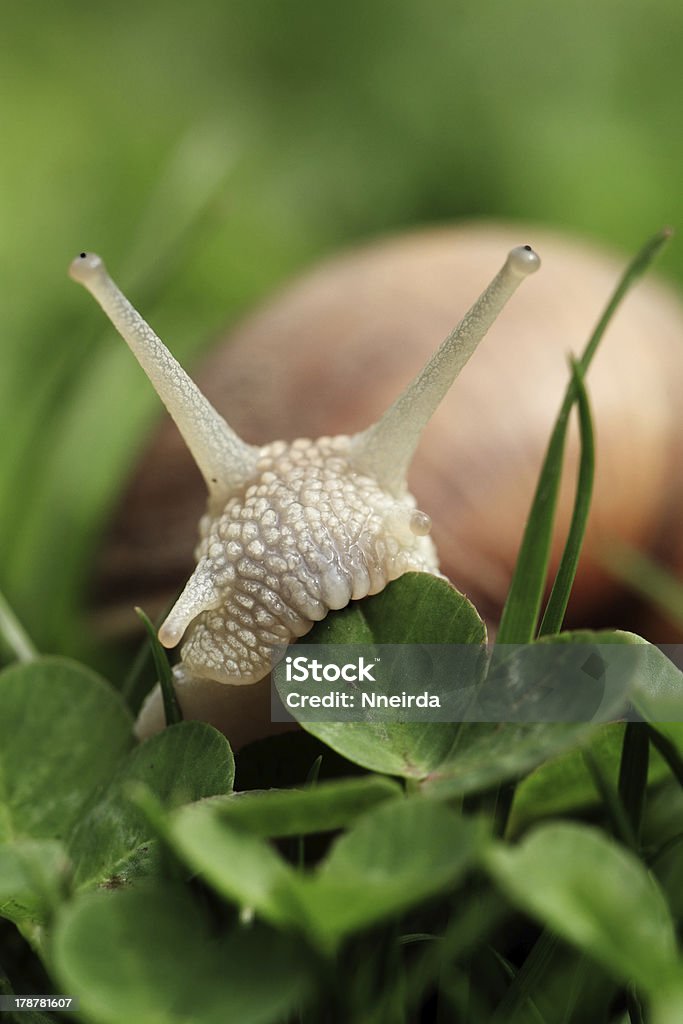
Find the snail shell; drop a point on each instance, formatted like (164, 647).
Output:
(329, 353)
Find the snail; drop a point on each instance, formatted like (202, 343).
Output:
(351, 333)
(294, 529)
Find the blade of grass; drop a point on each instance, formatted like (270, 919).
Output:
(527, 978)
(172, 709)
(136, 686)
(520, 614)
(648, 579)
(612, 801)
(665, 848)
(633, 773)
(505, 796)
(525, 1000)
(669, 752)
(413, 937)
(314, 771)
(13, 633)
(134, 680)
(470, 923)
(634, 1006)
(311, 782)
(564, 580)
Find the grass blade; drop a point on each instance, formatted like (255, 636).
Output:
(13, 633)
(612, 801)
(520, 614)
(635, 270)
(647, 578)
(668, 751)
(521, 611)
(527, 979)
(172, 710)
(634, 1006)
(633, 772)
(564, 580)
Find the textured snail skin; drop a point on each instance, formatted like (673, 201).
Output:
(294, 529)
(308, 535)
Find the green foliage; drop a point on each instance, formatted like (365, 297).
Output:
(595, 894)
(519, 619)
(181, 765)
(415, 606)
(290, 812)
(366, 877)
(564, 783)
(450, 759)
(67, 764)
(153, 892)
(63, 733)
(151, 956)
(32, 873)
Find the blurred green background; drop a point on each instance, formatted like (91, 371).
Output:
(211, 150)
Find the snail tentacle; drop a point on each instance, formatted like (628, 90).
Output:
(200, 594)
(224, 459)
(384, 451)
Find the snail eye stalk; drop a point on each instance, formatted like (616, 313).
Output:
(224, 460)
(384, 451)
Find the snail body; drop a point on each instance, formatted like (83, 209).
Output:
(331, 351)
(308, 534)
(294, 529)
